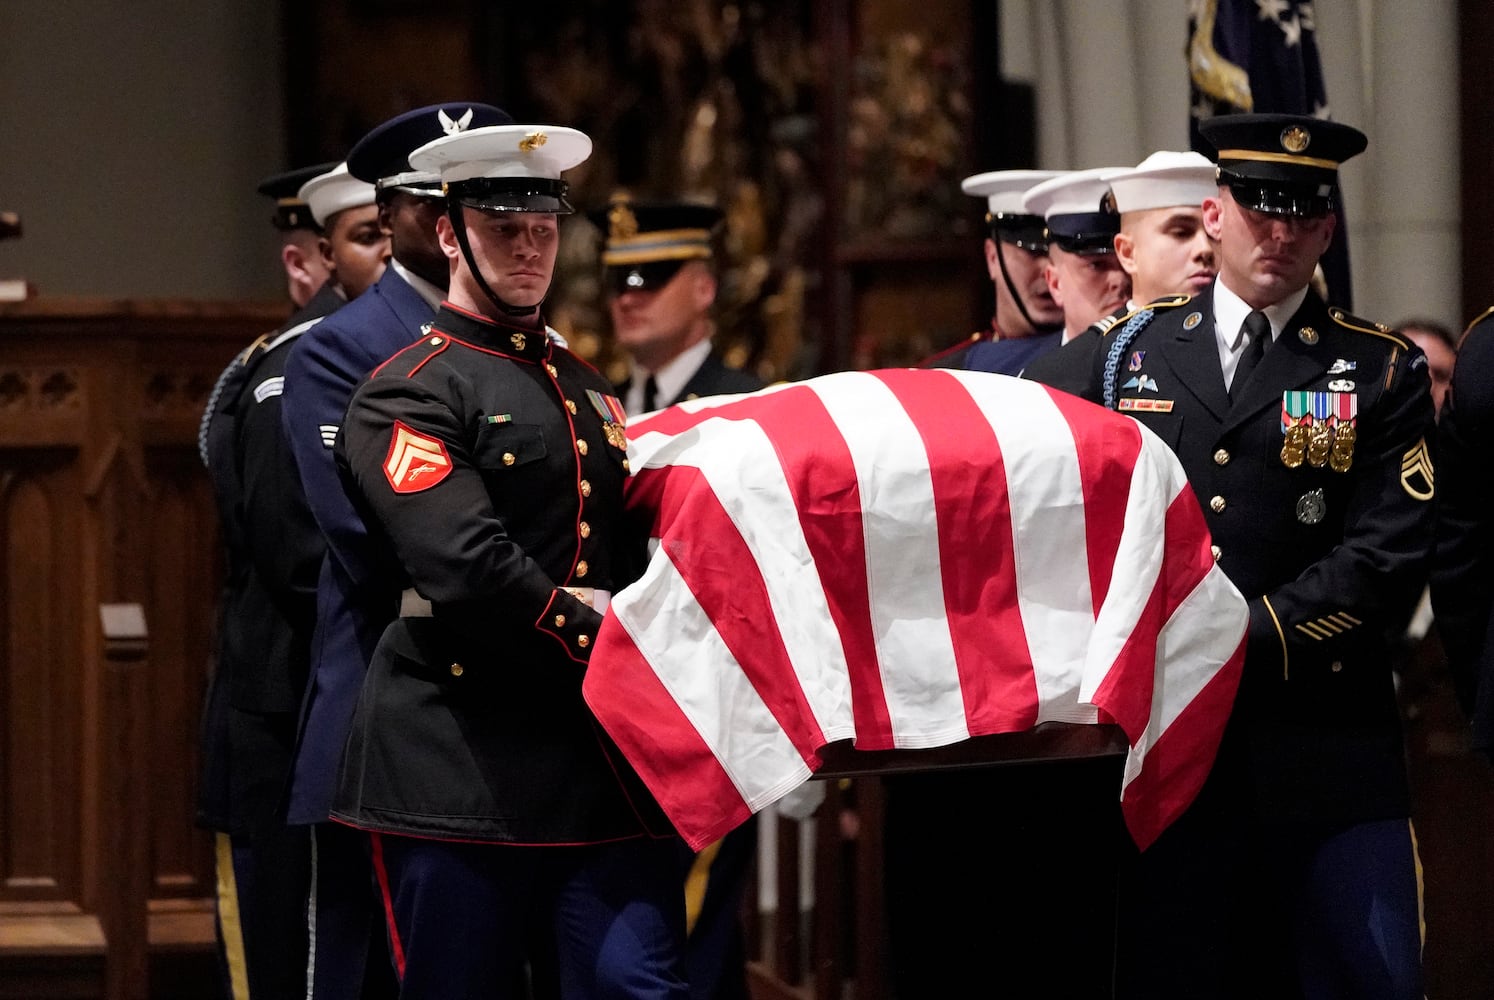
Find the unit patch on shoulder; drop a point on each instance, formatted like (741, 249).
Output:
(416, 461)
(1416, 472)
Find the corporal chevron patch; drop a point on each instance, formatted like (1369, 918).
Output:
(416, 461)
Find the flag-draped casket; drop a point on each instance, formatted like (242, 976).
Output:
(907, 559)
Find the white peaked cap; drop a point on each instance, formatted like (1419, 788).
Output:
(1078, 192)
(542, 151)
(1166, 179)
(1003, 189)
(330, 193)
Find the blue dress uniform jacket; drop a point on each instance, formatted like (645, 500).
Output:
(354, 598)
(987, 351)
(1463, 574)
(1331, 554)
(494, 464)
(273, 552)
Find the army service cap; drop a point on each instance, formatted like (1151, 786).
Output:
(646, 243)
(291, 212)
(506, 168)
(1006, 219)
(382, 157)
(332, 192)
(1166, 179)
(1078, 209)
(1282, 164)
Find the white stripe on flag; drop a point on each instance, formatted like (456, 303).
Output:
(924, 700)
(660, 613)
(1048, 532)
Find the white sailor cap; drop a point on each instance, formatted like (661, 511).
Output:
(1078, 210)
(506, 168)
(1166, 179)
(332, 192)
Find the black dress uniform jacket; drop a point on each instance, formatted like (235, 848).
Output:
(494, 464)
(1463, 575)
(273, 552)
(713, 378)
(1330, 560)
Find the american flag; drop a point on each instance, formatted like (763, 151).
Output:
(1262, 56)
(907, 559)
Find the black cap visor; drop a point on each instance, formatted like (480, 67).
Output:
(647, 277)
(1027, 232)
(512, 194)
(1275, 198)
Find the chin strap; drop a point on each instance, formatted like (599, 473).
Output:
(459, 225)
(1016, 296)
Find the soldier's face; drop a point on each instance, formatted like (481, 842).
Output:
(1087, 286)
(1166, 252)
(355, 249)
(1264, 258)
(1028, 272)
(515, 251)
(410, 221)
(655, 325)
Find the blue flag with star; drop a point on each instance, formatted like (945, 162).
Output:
(1262, 56)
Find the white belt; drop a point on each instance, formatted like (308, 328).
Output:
(412, 605)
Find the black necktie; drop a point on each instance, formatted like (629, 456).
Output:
(650, 394)
(1258, 327)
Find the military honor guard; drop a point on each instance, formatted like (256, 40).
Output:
(273, 553)
(1026, 321)
(300, 254)
(1161, 244)
(660, 280)
(355, 597)
(493, 460)
(1462, 584)
(1084, 276)
(353, 245)
(1304, 432)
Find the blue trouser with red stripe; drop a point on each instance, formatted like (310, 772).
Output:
(461, 917)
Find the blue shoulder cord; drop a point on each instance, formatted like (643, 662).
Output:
(1118, 347)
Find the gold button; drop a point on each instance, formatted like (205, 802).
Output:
(1217, 505)
(435, 341)
(570, 404)
(626, 466)
(1221, 457)
(585, 488)
(581, 446)
(585, 530)
(1337, 666)
(581, 568)
(560, 621)
(1214, 551)
(551, 370)
(456, 670)
(508, 458)
(583, 641)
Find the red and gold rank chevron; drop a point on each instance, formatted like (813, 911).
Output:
(416, 461)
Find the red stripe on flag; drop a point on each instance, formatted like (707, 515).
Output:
(821, 476)
(972, 510)
(1107, 451)
(1178, 763)
(710, 556)
(663, 745)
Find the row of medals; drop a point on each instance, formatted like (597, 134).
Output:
(1319, 445)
